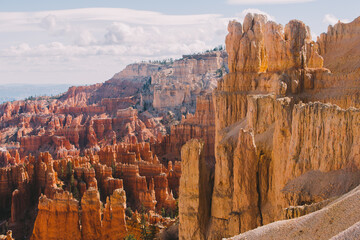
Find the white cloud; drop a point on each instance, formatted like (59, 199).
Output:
(85, 38)
(332, 20)
(256, 2)
(242, 15)
(102, 40)
(49, 22)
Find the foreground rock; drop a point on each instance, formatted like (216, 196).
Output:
(339, 220)
(60, 215)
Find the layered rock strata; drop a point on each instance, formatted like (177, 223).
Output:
(277, 130)
(131, 107)
(201, 125)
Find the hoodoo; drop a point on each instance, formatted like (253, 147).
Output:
(283, 124)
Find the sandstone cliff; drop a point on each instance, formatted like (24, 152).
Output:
(201, 125)
(280, 140)
(339, 47)
(58, 218)
(195, 192)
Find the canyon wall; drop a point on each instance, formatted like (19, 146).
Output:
(201, 125)
(195, 191)
(280, 140)
(181, 83)
(138, 104)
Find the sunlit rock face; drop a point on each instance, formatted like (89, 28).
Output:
(41, 194)
(283, 124)
(61, 215)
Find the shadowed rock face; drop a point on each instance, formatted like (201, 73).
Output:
(201, 125)
(277, 128)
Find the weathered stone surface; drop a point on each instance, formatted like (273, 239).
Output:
(61, 215)
(22, 183)
(280, 140)
(235, 198)
(195, 192)
(338, 220)
(57, 218)
(91, 215)
(339, 47)
(201, 125)
(113, 224)
(192, 74)
(102, 114)
(260, 45)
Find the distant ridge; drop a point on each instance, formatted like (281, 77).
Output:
(13, 92)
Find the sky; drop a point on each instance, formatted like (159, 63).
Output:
(81, 42)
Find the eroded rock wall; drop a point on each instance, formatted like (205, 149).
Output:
(280, 140)
(195, 191)
(57, 218)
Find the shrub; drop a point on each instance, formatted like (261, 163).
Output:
(130, 237)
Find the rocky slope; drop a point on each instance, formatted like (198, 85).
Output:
(130, 107)
(339, 220)
(200, 125)
(280, 140)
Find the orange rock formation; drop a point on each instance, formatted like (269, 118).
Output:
(276, 125)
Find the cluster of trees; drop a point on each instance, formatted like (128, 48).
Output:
(32, 98)
(44, 97)
(68, 177)
(218, 48)
(148, 232)
(170, 212)
(162, 62)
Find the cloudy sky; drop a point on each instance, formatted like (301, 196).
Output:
(88, 41)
